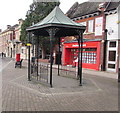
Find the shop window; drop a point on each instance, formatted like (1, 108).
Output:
(90, 49)
(90, 26)
(111, 66)
(74, 54)
(112, 55)
(89, 55)
(112, 44)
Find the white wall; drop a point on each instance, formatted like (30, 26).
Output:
(112, 26)
(118, 22)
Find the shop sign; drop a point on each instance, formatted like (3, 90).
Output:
(78, 45)
(75, 45)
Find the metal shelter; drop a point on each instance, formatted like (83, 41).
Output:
(57, 25)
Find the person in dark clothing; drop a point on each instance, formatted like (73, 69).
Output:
(2, 54)
(52, 60)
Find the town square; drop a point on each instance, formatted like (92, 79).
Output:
(57, 60)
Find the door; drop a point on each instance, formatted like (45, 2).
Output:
(112, 56)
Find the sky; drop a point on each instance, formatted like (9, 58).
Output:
(12, 10)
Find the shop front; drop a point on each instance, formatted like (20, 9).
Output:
(90, 56)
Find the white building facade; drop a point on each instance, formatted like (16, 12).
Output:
(112, 41)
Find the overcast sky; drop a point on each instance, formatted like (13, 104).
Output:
(12, 10)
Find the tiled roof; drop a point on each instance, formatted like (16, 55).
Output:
(78, 10)
(10, 29)
(113, 5)
(84, 9)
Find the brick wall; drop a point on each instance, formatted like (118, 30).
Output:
(92, 36)
(44, 60)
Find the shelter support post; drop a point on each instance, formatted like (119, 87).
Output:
(78, 73)
(37, 55)
(29, 57)
(81, 37)
(80, 51)
(50, 31)
(33, 46)
(59, 57)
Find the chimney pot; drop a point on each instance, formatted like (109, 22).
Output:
(8, 26)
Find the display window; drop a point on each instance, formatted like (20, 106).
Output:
(89, 55)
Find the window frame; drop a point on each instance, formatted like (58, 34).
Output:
(91, 29)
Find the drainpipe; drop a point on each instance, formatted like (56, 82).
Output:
(105, 51)
(119, 70)
(103, 66)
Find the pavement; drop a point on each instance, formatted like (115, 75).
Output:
(92, 72)
(98, 93)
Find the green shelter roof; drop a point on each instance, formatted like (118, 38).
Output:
(56, 19)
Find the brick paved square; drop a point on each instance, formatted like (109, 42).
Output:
(96, 94)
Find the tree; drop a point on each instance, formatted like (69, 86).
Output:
(38, 11)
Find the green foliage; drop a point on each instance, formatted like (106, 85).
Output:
(45, 43)
(38, 11)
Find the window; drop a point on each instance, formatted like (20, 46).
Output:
(112, 44)
(112, 55)
(111, 66)
(90, 26)
(83, 23)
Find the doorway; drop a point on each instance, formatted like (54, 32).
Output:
(112, 56)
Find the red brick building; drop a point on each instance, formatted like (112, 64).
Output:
(93, 16)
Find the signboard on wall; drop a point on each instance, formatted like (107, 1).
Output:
(98, 26)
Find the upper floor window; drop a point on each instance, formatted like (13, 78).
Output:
(112, 44)
(90, 26)
(83, 23)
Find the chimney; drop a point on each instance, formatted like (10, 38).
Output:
(102, 6)
(8, 26)
(20, 21)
